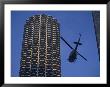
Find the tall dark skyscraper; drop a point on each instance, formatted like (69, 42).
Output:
(40, 56)
(96, 20)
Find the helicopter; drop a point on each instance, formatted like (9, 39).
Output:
(74, 52)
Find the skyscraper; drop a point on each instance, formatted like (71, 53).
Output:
(40, 55)
(96, 20)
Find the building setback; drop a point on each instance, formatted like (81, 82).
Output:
(40, 56)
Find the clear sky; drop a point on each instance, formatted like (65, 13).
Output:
(71, 24)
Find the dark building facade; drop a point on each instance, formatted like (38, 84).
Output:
(96, 20)
(40, 56)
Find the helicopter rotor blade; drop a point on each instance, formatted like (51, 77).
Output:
(81, 56)
(66, 42)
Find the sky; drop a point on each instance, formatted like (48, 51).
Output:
(71, 24)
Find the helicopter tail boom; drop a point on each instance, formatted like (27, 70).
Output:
(77, 43)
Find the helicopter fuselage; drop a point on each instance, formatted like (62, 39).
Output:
(73, 54)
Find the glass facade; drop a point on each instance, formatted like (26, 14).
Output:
(40, 56)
